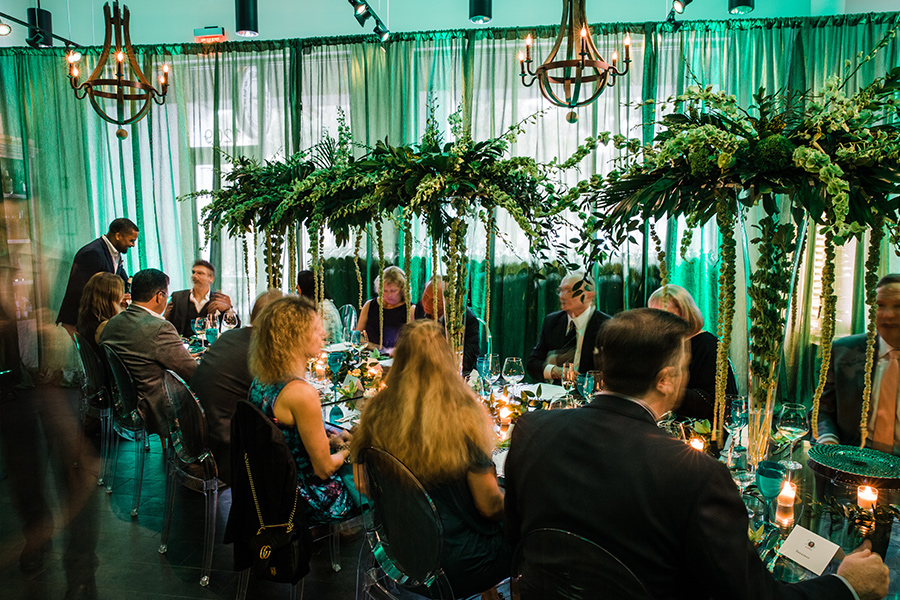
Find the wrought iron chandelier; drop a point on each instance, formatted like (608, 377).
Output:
(108, 82)
(581, 76)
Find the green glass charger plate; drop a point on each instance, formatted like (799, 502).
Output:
(857, 463)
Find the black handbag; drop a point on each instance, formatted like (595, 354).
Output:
(276, 549)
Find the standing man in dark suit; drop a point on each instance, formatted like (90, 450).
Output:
(671, 514)
(563, 333)
(103, 254)
(199, 301)
(841, 404)
(222, 379)
(148, 345)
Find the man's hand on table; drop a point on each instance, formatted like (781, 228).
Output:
(865, 572)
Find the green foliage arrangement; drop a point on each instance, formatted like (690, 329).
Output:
(831, 159)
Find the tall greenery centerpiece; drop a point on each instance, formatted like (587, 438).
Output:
(831, 158)
(449, 186)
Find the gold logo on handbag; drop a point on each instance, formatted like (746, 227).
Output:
(265, 552)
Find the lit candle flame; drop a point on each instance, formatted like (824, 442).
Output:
(165, 68)
(627, 39)
(74, 71)
(615, 56)
(120, 56)
(162, 80)
(866, 497)
(695, 443)
(584, 31)
(74, 57)
(521, 57)
(528, 40)
(784, 512)
(504, 412)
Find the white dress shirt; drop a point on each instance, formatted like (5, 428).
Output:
(116, 256)
(883, 354)
(199, 303)
(581, 323)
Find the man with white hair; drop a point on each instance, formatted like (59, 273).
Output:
(563, 332)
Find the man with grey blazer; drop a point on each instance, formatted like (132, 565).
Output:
(148, 345)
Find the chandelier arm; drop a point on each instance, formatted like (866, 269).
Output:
(129, 49)
(527, 83)
(565, 29)
(107, 40)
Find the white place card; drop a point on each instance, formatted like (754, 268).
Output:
(809, 550)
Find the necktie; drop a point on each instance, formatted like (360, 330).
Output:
(883, 437)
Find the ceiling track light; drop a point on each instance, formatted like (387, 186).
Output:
(480, 11)
(246, 18)
(679, 5)
(381, 31)
(741, 7)
(361, 11)
(40, 28)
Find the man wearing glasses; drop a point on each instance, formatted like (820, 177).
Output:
(564, 331)
(148, 345)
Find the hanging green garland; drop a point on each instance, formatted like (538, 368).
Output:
(829, 303)
(359, 281)
(873, 260)
(380, 241)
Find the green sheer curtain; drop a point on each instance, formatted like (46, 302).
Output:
(267, 100)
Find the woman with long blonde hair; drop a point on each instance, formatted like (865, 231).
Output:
(100, 301)
(700, 394)
(431, 421)
(286, 334)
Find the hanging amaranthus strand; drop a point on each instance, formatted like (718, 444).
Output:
(873, 260)
(320, 299)
(452, 283)
(434, 274)
(462, 277)
(255, 248)
(380, 241)
(663, 268)
(829, 302)
(292, 258)
(727, 257)
(246, 262)
(489, 229)
(795, 292)
(314, 250)
(407, 263)
(356, 265)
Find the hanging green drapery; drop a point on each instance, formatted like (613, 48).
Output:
(266, 99)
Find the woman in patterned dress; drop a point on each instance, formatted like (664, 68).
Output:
(286, 334)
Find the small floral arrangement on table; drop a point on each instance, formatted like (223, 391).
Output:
(361, 377)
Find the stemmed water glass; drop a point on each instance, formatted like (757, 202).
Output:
(740, 467)
(568, 381)
(335, 362)
(513, 371)
(793, 424)
(229, 320)
(769, 477)
(495, 369)
(198, 326)
(735, 417)
(212, 331)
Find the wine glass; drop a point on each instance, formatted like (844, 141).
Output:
(769, 477)
(568, 380)
(359, 338)
(496, 368)
(229, 320)
(198, 326)
(740, 467)
(335, 362)
(793, 424)
(513, 371)
(212, 334)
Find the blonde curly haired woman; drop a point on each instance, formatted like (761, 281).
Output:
(286, 334)
(429, 419)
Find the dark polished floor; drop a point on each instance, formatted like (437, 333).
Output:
(130, 565)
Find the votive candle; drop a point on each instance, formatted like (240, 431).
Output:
(784, 513)
(697, 444)
(866, 497)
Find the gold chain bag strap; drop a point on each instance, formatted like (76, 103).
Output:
(276, 549)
